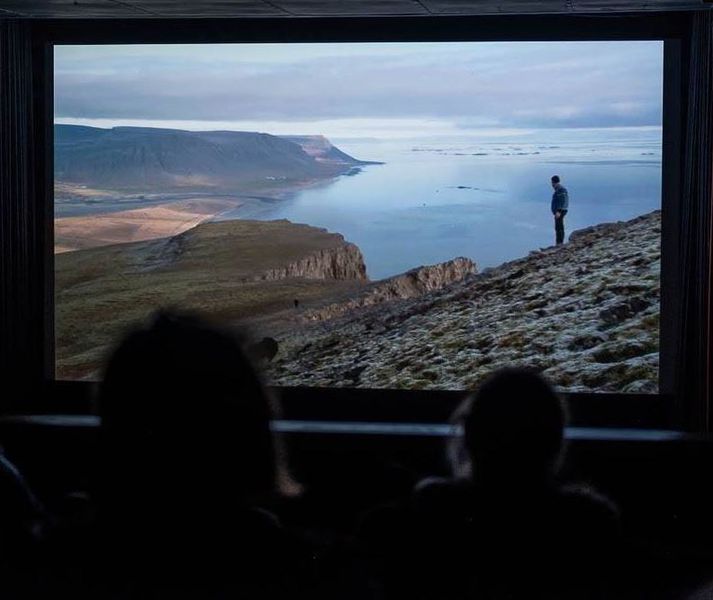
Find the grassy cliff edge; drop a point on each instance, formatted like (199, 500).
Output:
(586, 314)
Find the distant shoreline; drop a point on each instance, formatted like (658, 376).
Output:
(145, 216)
(129, 184)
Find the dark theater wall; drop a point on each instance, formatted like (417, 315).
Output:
(695, 364)
(23, 153)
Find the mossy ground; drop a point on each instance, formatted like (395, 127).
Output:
(585, 314)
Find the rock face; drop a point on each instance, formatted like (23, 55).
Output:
(341, 262)
(585, 314)
(412, 284)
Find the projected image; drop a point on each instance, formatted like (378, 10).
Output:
(386, 215)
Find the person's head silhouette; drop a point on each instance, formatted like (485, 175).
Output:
(185, 418)
(514, 428)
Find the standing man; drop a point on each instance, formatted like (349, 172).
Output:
(560, 204)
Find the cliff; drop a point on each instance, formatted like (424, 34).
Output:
(585, 314)
(412, 284)
(341, 262)
(247, 271)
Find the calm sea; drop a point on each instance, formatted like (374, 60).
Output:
(487, 199)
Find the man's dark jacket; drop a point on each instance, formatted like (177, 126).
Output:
(560, 199)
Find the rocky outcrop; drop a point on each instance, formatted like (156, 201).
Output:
(585, 314)
(344, 262)
(412, 284)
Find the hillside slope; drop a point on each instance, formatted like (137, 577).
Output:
(152, 159)
(586, 314)
(233, 270)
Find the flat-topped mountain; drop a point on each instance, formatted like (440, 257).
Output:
(153, 159)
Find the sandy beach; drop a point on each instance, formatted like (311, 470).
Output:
(158, 221)
(163, 219)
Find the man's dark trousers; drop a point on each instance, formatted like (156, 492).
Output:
(559, 226)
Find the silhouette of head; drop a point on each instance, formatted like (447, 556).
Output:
(514, 427)
(555, 180)
(184, 417)
(264, 350)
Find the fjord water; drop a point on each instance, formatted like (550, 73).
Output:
(486, 199)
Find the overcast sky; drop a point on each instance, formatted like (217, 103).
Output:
(369, 90)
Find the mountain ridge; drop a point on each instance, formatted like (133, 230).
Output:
(151, 159)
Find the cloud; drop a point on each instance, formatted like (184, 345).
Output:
(502, 85)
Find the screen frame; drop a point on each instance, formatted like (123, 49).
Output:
(610, 410)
